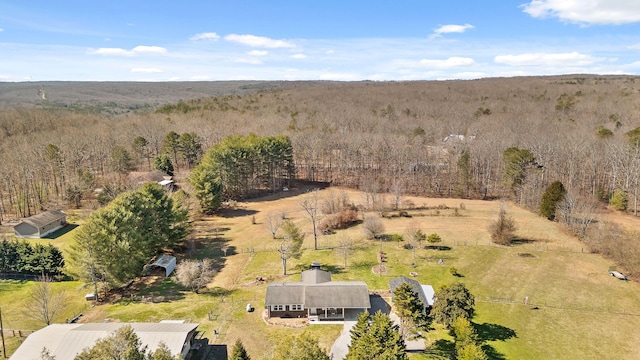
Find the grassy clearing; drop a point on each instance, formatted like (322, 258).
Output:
(581, 312)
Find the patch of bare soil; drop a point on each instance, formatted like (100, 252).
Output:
(379, 268)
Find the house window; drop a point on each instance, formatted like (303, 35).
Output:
(296, 307)
(277, 308)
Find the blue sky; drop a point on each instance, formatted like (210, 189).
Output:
(168, 40)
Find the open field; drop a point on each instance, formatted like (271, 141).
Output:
(575, 309)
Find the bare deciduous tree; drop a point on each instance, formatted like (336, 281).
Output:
(577, 213)
(291, 244)
(44, 302)
(372, 227)
(273, 222)
(345, 248)
(194, 274)
(310, 205)
(397, 188)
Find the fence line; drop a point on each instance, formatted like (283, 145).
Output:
(17, 333)
(18, 276)
(534, 247)
(510, 300)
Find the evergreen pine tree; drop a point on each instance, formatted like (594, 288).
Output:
(552, 196)
(239, 352)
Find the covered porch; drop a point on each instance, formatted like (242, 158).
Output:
(326, 314)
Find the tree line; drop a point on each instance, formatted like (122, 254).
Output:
(239, 166)
(21, 257)
(423, 138)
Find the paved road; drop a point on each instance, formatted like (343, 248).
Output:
(340, 348)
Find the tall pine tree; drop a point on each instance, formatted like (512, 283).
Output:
(376, 337)
(553, 195)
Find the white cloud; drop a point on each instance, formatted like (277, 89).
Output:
(258, 53)
(447, 63)
(205, 36)
(589, 12)
(199, 78)
(447, 29)
(1, 29)
(146, 70)
(149, 50)
(138, 50)
(547, 59)
(111, 51)
(299, 56)
(258, 41)
(634, 46)
(248, 61)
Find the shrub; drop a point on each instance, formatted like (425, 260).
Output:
(619, 200)
(372, 227)
(341, 220)
(397, 238)
(434, 238)
(502, 230)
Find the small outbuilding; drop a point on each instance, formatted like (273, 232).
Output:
(41, 225)
(165, 262)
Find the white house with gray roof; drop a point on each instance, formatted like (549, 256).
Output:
(316, 297)
(40, 225)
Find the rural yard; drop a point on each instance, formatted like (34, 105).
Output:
(546, 281)
(224, 181)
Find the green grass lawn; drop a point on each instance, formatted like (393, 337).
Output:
(582, 312)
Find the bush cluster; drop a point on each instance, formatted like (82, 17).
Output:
(341, 220)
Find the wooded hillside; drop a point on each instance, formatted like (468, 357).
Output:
(375, 136)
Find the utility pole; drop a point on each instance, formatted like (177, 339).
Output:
(4, 349)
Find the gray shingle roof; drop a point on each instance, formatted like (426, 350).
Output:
(346, 294)
(315, 276)
(44, 218)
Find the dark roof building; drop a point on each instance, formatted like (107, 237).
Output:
(316, 296)
(40, 225)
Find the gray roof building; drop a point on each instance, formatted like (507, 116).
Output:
(316, 295)
(65, 341)
(417, 288)
(40, 225)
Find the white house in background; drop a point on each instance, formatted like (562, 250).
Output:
(40, 225)
(65, 341)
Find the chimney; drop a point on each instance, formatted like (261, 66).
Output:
(315, 265)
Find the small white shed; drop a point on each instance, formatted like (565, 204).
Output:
(167, 262)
